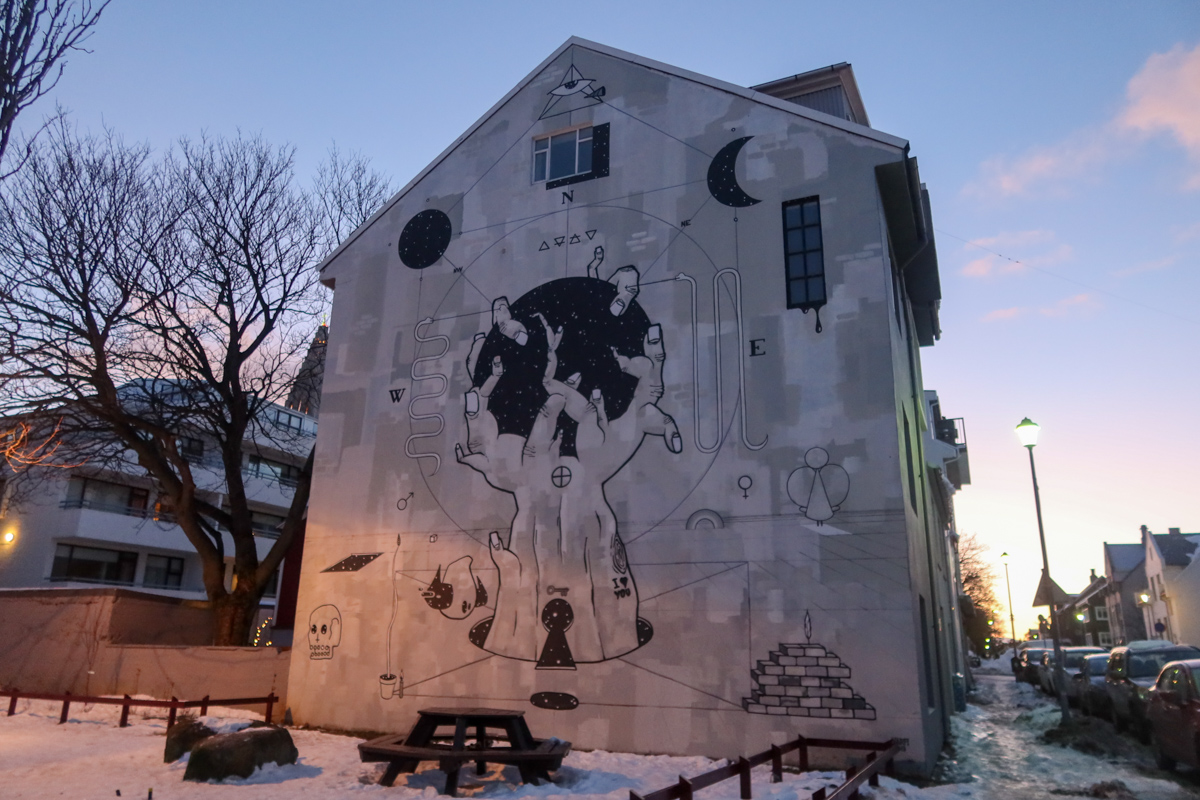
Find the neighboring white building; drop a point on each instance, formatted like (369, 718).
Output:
(623, 423)
(84, 528)
(1171, 602)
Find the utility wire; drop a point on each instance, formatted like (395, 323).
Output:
(1122, 298)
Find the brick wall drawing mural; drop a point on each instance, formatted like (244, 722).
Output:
(805, 680)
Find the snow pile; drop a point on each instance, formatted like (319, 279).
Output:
(224, 724)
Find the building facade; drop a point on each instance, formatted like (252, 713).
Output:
(1170, 603)
(1125, 574)
(623, 423)
(81, 527)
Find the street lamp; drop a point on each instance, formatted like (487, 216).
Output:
(1012, 618)
(1027, 433)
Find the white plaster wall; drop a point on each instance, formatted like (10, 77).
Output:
(721, 595)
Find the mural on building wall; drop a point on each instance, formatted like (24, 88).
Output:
(805, 680)
(818, 488)
(565, 388)
(324, 631)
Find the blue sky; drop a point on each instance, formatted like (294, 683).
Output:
(1060, 144)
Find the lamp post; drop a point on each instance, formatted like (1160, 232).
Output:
(1027, 433)
(1012, 618)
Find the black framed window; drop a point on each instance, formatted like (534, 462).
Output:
(804, 253)
(287, 474)
(570, 157)
(93, 564)
(163, 572)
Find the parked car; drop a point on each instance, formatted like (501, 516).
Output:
(1088, 684)
(1173, 712)
(1132, 670)
(1027, 667)
(1072, 658)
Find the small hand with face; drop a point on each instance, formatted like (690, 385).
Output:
(502, 318)
(626, 280)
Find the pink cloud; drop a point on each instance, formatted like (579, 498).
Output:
(1164, 97)
(1001, 314)
(1146, 266)
(1013, 252)
(1078, 302)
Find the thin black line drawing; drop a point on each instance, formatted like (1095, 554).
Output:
(722, 176)
(402, 503)
(458, 592)
(818, 488)
(324, 632)
(744, 483)
(737, 283)
(416, 398)
(573, 92)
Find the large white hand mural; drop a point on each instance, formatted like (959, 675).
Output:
(550, 420)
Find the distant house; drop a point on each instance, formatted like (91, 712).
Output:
(624, 423)
(1171, 603)
(1125, 574)
(1086, 616)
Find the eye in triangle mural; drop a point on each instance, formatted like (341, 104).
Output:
(573, 92)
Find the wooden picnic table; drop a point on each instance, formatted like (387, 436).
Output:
(534, 758)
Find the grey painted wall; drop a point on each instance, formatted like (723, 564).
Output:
(696, 560)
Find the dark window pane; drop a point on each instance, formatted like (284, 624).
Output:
(541, 145)
(585, 133)
(138, 499)
(585, 154)
(796, 266)
(539, 166)
(816, 290)
(812, 213)
(795, 241)
(816, 263)
(796, 293)
(812, 238)
(562, 155)
(792, 218)
(93, 564)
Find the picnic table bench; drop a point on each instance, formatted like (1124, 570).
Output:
(534, 758)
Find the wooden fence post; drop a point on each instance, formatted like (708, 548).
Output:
(125, 712)
(66, 708)
(802, 750)
(776, 764)
(744, 777)
(819, 794)
(851, 771)
(204, 706)
(171, 713)
(12, 703)
(685, 788)
(874, 779)
(271, 698)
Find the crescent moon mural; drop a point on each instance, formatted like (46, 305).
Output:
(722, 179)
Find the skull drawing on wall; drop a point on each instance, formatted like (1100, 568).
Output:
(324, 631)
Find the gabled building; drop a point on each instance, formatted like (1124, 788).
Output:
(1170, 604)
(623, 423)
(1085, 615)
(1125, 574)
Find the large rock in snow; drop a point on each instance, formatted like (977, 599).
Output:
(238, 754)
(183, 736)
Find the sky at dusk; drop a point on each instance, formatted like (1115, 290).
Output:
(1060, 144)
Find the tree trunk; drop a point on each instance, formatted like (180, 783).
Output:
(233, 619)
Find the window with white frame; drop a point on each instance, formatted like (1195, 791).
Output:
(571, 156)
(1106, 639)
(285, 419)
(1101, 612)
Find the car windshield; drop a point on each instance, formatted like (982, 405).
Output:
(1096, 665)
(1148, 665)
(1074, 660)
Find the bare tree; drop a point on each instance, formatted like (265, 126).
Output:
(37, 36)
(979, 579)
(152, 300)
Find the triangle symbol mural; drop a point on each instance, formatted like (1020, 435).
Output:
(573, 92)
(805, 680)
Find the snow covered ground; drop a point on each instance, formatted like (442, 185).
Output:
(997, 755)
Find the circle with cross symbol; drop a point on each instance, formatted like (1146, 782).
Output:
(560, 477)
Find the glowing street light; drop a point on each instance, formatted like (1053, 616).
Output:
(1027, 433)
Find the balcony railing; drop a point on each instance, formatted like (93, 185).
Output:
(116, 508)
